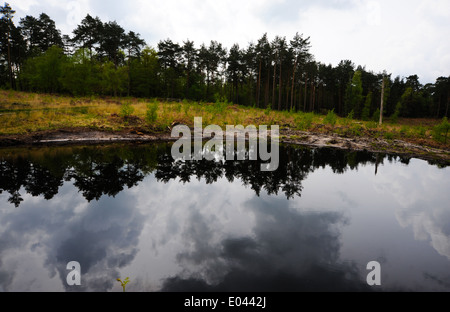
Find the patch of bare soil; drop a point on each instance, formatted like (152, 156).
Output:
(81, 136)
(369, 144)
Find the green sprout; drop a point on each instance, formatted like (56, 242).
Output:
(123, 283)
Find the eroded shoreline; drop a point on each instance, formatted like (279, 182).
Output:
(287, 136)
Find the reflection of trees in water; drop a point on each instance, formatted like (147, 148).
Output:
(99, 171)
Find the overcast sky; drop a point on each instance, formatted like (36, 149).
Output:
(403, 37)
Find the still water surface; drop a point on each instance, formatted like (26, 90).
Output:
(131, 211)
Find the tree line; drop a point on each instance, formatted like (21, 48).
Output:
(101, 58)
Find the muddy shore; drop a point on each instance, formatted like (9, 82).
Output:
(310, 139)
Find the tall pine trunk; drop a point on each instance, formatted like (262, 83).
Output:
(279, 90)
(306, 93)
(11, 77)
(273, 88)
(267, 88)
(258, 87)
(293, 84)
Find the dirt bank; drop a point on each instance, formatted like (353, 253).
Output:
(89, 136)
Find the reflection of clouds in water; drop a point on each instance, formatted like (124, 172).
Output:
(177, 214)
(419, 190)
(287, 251)
(103, 237)
(429, 224)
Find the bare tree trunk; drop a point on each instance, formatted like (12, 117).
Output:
(267, 88)
(258, 88)
(273, 89)
(129, 74)
(11, 78)
(279, 90)
(306, 93)
(382, 103)
(448, 101)
(188, 78)
(439, 107)
(293, 84)
(287, 96)
(314, 98)
(299, 96)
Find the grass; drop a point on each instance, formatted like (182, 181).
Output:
(22, 113)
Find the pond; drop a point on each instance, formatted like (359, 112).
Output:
(132, 211)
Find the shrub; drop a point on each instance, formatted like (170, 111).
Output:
(372, 125)
(126, 110)
(151, 114)
(376, 115)
(304, 121)
(389, 136)
(268, 110)
(440, 132)
(404, 131)
(351, 115)
(394, 117)
(331, 118)
(421, 131)
(356, 130)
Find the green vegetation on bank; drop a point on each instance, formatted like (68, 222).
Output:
(24, 113)
(280, 74)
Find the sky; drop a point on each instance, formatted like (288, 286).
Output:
(401, 37)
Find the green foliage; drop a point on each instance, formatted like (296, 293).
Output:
(81, 76)
(404, 131)
(186, 106)
(372, 125)
(348, 120)
(151, 114)
(304, 121)
(413, 102)
(216, 108)
(421, 131)
(394, 117)
(268, 110)
(356, 130)
(43, 73)
(389, 136)
(218, 98)
(330, 118)
(178, 107)
(124, 282)
(110, 62)
(365, 115)
(126, 110)
(114, 80)
(144, 74)
(351, 115)
(353, 94)
(376, 116)
(441, 131)
(80, 110)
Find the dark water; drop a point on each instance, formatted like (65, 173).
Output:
(312, 225)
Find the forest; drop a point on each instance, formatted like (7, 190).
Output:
(103, 59)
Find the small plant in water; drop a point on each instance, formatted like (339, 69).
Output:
(124, 282)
